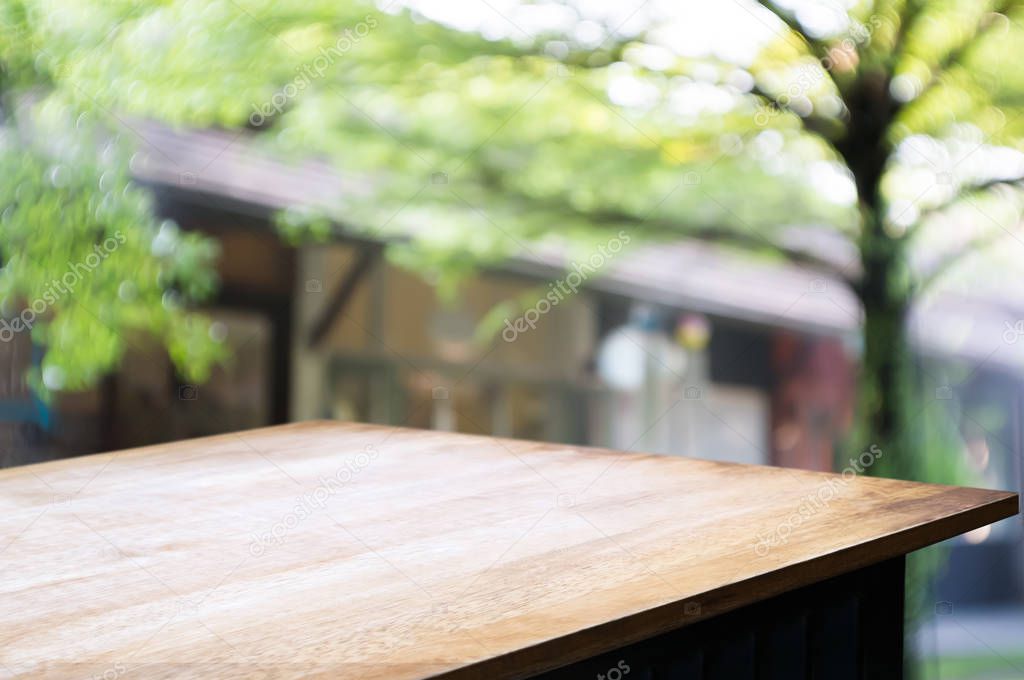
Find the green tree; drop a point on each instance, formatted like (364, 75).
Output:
(483, 145)
(566, 127)
(87, 268)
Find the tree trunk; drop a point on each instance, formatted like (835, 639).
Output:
(887, 385)
(887, 388)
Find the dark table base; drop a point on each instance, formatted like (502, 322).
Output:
(848, 627)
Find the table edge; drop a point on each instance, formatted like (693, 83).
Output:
(605, 637)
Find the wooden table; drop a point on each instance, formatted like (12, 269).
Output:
(339, 550)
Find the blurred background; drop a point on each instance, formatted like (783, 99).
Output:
(771, 233)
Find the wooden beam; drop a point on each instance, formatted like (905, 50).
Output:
(343, 293)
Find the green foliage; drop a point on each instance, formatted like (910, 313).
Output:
(87, 269)
(477, 146)
(527, 142)
(537, 134)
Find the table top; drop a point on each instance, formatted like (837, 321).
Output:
(334, 550)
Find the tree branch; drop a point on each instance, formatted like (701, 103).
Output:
(964, 192)
(660, 228)
(817, 47)
(712, 233)
(949, 262)
(829, 128)
(751, 242)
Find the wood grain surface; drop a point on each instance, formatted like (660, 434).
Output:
(353, 551)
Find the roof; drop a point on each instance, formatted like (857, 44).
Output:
(230, 168)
